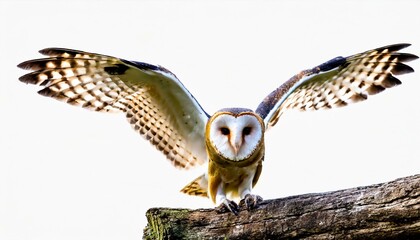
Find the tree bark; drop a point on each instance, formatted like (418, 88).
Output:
(381, 211)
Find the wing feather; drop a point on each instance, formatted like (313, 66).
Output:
(338, 82)
(154, 101)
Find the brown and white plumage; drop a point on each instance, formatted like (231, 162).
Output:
(155, 102)
(338, 82)
(231, 140)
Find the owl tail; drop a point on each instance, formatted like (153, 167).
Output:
(198, 187)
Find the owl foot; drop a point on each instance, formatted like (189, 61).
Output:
(251, 201)
(228, 206)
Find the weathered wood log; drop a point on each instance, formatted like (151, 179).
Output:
(381, 211)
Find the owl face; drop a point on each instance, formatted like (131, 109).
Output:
(235, 133)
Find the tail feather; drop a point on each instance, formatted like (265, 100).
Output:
(198, 187)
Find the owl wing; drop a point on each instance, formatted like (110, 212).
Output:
(338, 82)
(154, 101)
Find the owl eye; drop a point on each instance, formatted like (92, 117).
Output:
(246, 131)
(224, 130)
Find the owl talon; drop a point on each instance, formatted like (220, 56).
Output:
(228, 206)
(251, 201)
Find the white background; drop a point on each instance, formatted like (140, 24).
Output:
(68, 173)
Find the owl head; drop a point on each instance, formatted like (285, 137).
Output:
(234, 133)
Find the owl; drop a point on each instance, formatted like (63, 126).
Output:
(231, 140)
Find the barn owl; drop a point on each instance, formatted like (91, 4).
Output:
(230, 141)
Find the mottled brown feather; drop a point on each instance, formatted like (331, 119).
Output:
(198, 187)
(349, 80)
(97, 82)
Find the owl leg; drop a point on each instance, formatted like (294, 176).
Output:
(251, 201)
(225, 204)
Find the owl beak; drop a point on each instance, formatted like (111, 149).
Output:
(236, 143)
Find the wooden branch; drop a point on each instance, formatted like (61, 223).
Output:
(382, 211)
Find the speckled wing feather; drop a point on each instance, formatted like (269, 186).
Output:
(198, 187)
(155, 102)
(338, 82)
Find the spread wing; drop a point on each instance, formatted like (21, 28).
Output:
(154, 101)
(338, 82)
